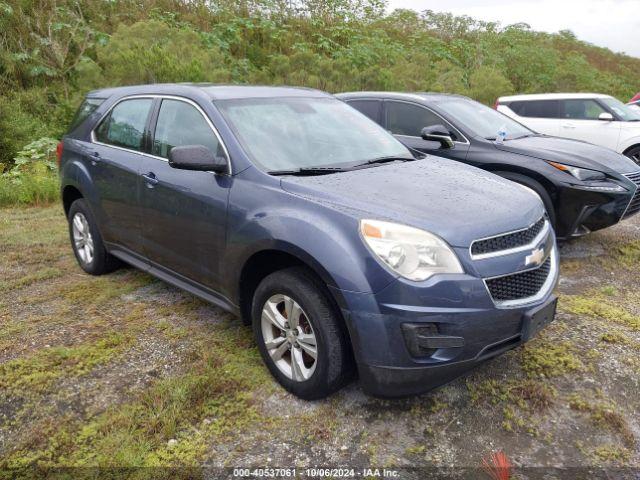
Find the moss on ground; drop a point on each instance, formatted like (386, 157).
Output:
(543, 357)
(38, 373)
(598, 307)
(605, 414)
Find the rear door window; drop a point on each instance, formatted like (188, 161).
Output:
(370, 108)
(409, 119)
(180, 123)
(124, 126)
(536, 108)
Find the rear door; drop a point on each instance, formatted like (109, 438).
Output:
(405, 120)
(183, 212)
(542, 116)
(114, 160)
(580, 121)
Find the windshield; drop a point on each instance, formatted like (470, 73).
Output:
(481, 120)
(624, 112)
(291, 133)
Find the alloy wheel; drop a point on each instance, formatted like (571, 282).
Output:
(289, 337)
(82, 239)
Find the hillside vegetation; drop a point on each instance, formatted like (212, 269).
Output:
(54, 51)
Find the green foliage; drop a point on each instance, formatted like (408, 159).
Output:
(52, 52)
(33, 178)
(153, 52)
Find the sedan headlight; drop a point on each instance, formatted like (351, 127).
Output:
(594, 180)
(413, 253)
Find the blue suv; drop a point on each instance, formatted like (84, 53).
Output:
(347, 254)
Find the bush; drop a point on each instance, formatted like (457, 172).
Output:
(33, 179)
(153, 52)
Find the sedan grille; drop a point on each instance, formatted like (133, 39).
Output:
(518, 286)
(508, 240)
(634, 204)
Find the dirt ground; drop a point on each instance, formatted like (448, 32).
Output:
(126, 371)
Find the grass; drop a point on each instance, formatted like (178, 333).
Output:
(31, 190)
(598, 307)
(124, 371)
(37, 374)
(604, 414)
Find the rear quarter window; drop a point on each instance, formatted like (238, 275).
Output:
(87, 107)
(370, 108)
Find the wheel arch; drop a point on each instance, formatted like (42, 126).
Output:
(629, 149)
(70, 193)
(265, 261)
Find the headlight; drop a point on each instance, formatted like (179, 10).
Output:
(594, 180)
(579, 173)
(413, 253)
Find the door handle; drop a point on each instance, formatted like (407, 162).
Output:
(151, 179)
(568, 125)
(95, 158)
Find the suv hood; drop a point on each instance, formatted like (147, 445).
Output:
(570, 152)
(457, 202)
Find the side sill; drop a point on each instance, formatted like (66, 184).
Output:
(175, 279)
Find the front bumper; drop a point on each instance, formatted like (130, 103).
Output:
(485, 337)
(581, 211)
(410, 338)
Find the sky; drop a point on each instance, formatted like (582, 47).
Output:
(614, 24)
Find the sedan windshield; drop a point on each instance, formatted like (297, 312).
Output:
(624, 112)
(282, 134)
(483, 121)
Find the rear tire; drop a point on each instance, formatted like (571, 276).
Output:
(86, 241)
(293, 320)
(634, 154)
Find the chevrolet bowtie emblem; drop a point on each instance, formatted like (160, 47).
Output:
(536, 257)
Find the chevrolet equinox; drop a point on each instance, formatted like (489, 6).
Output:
(301, 215)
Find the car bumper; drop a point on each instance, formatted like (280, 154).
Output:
(409, 339)
(582, 211)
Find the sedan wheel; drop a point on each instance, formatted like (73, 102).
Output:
(289, 337)
(634, 154)
(82, 239)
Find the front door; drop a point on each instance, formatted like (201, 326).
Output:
(114, 160)
(580, 121)
(183, 212)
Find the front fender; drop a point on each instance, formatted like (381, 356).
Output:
(269, 218)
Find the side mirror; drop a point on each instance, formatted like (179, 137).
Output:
(605, 117)
(438, 133)
(197, 157)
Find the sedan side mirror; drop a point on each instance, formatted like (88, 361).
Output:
(197, 157)
(438, 133)
(605, 117)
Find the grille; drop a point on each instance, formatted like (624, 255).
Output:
(508, 241)
(521, 285)
(634, 205)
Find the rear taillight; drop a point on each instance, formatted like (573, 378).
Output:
(59, 152)
(497, 104)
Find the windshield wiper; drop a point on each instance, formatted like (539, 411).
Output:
(309, 171)
(385, 160)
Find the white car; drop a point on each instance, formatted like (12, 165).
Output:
(594, 118)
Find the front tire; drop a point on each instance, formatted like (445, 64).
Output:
(300, 335)
(86, 241)
(634, 154)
